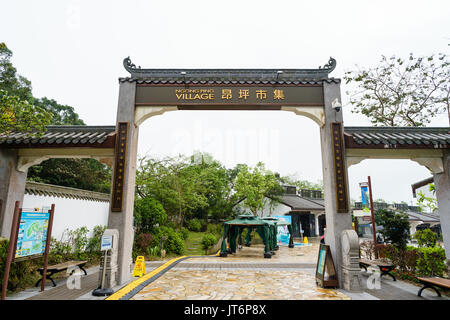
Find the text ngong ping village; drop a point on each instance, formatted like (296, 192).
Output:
(228, 94)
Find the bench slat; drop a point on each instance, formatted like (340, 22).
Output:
(64, 265)
(375, 263)
(441, 282)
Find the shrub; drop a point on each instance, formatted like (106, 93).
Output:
(215, 229)
(60, 251)
(79, 241)
(404, 259)
(147, 213)
(204, 226)
(431, 261)
(94, 243)
(153, 251)
(208, 241)
(425, 238)
(21, 274)
(143, 242)
(174, 243)
(184, 233)
(194, 225)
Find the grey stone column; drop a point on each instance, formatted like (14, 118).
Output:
(335, 222)
(12, 188)
(442, 184)
(123, 220)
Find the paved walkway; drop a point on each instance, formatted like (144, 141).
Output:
(246, 275)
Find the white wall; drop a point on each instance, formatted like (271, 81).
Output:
(70, 213)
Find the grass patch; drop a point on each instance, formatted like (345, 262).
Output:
(193, 244)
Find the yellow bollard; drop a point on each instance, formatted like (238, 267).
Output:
(305, 240)
(139, 267)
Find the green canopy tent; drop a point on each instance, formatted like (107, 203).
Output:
(233, 229)
(280, 223)
(274, 231)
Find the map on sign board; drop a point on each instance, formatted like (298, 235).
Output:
(32, 235)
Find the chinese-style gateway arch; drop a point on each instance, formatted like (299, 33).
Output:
(149, 92)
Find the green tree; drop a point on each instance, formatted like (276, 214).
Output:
(20, 116)
(427, 203)
(214, 185)
(61, 114)
(256, 184)
(395, 227)
(173, 182)
(302, 184)
(10, 80)
(86, 174)
(21, 112)
(402, 92)
(147, 213)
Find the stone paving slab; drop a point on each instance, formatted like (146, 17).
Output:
(236, 285)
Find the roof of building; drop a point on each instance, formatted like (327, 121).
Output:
(49, 190)
(425, 217)
(298, 203)
(397, 137)
(65, 136)
(229, 76)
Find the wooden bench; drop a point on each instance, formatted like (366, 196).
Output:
(51, 270)
(433, 283)
(385, 267)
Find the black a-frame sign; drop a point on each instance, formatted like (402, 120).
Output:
(325, 271)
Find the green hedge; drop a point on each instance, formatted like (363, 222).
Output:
(431, 261)
(422, 261)
(208, 241)
(194, 225)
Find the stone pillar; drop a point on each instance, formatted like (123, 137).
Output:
(335, 222)
(316, 220)
(442, 184)
(12, 188)
(351, 272)
(123, 220)
(412, 227)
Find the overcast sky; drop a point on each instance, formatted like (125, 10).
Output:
(72, 51)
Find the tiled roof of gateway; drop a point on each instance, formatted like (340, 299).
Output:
(355, 137)
(397, 137)
(64, 136)
(229, 76)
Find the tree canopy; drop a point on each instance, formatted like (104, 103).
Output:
(17, 112)
(395, 226)
(20, 111)
(402, 92)
(256, 185)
